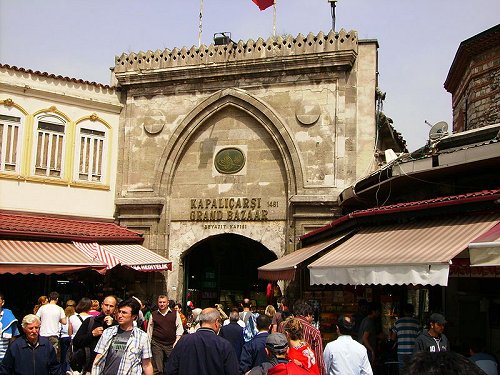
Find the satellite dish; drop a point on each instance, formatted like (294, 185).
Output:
(438, 131)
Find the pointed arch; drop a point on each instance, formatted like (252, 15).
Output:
(245, 102)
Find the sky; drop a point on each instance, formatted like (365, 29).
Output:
(417, 39)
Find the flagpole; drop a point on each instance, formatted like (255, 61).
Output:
(274, 19)
(200, 28)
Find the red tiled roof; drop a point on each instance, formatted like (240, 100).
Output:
(46, 227)
(54, 76)
(483, 195)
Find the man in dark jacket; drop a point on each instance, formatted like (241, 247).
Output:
(233, 333)
(88, 336)
(434, 339)
(253, 353)
(203, 352)
(32, 353)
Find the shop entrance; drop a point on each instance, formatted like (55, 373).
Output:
(223, 269)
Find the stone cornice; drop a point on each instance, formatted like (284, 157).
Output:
(337, 50)
(139, 208)
(343, 60)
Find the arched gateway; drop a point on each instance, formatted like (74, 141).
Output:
(223, 268)
(250, 141)
(227, 174)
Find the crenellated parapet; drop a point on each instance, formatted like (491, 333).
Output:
(234, 52)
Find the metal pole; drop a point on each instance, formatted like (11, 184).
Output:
(274, 19)
(333, 3)
(200, 29)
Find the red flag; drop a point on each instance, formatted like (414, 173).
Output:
(263, 4)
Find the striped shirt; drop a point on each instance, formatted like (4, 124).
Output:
(313, 337)
(137, 349)
(407, 330)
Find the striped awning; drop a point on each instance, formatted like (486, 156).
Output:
(411, 253)
(36, 257)
(96, 252)
(138, 257)
(485, 250)
(284, 267)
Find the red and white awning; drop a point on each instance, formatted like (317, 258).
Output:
(400, 254)
(36, 257)
(95, 252)
(138, 257)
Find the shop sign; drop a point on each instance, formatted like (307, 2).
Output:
(228, 209)
(461, 267)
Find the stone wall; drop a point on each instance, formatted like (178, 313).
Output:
(300, 110)
(476, 102)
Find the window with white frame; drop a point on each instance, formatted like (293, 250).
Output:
(11, 126)
(50, 135)
(90, 152)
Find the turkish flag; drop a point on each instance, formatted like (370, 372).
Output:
(263, 4)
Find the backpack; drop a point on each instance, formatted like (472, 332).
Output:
(78, 358)
(250, 329)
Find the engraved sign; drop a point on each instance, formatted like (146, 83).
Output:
(229, 160)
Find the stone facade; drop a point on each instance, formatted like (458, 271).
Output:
(300, 113)
(474, 81)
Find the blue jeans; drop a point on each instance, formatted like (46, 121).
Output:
(402, 359)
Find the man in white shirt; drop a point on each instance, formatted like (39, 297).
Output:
(346, 356)
(51, 316)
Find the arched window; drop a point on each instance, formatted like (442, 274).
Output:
(11, 135)
(91, 150)
(50, 143)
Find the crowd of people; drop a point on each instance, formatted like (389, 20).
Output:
(118, 337)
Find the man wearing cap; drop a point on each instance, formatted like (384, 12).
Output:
(433, 340)
(345, 356)
(277, 349)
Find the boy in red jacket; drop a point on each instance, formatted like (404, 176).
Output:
(277, 349)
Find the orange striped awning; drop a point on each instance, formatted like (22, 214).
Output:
(284, 267)
(138, 257)
(411, 253)
(36, 257)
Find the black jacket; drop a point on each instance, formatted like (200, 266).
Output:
(84, 338)
(233, 333)
(253, 353)
(23, 358)
(202, 353)
(426, 343)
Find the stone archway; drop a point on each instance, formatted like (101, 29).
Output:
(223, 268)
(245, 102)
(185, 174)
